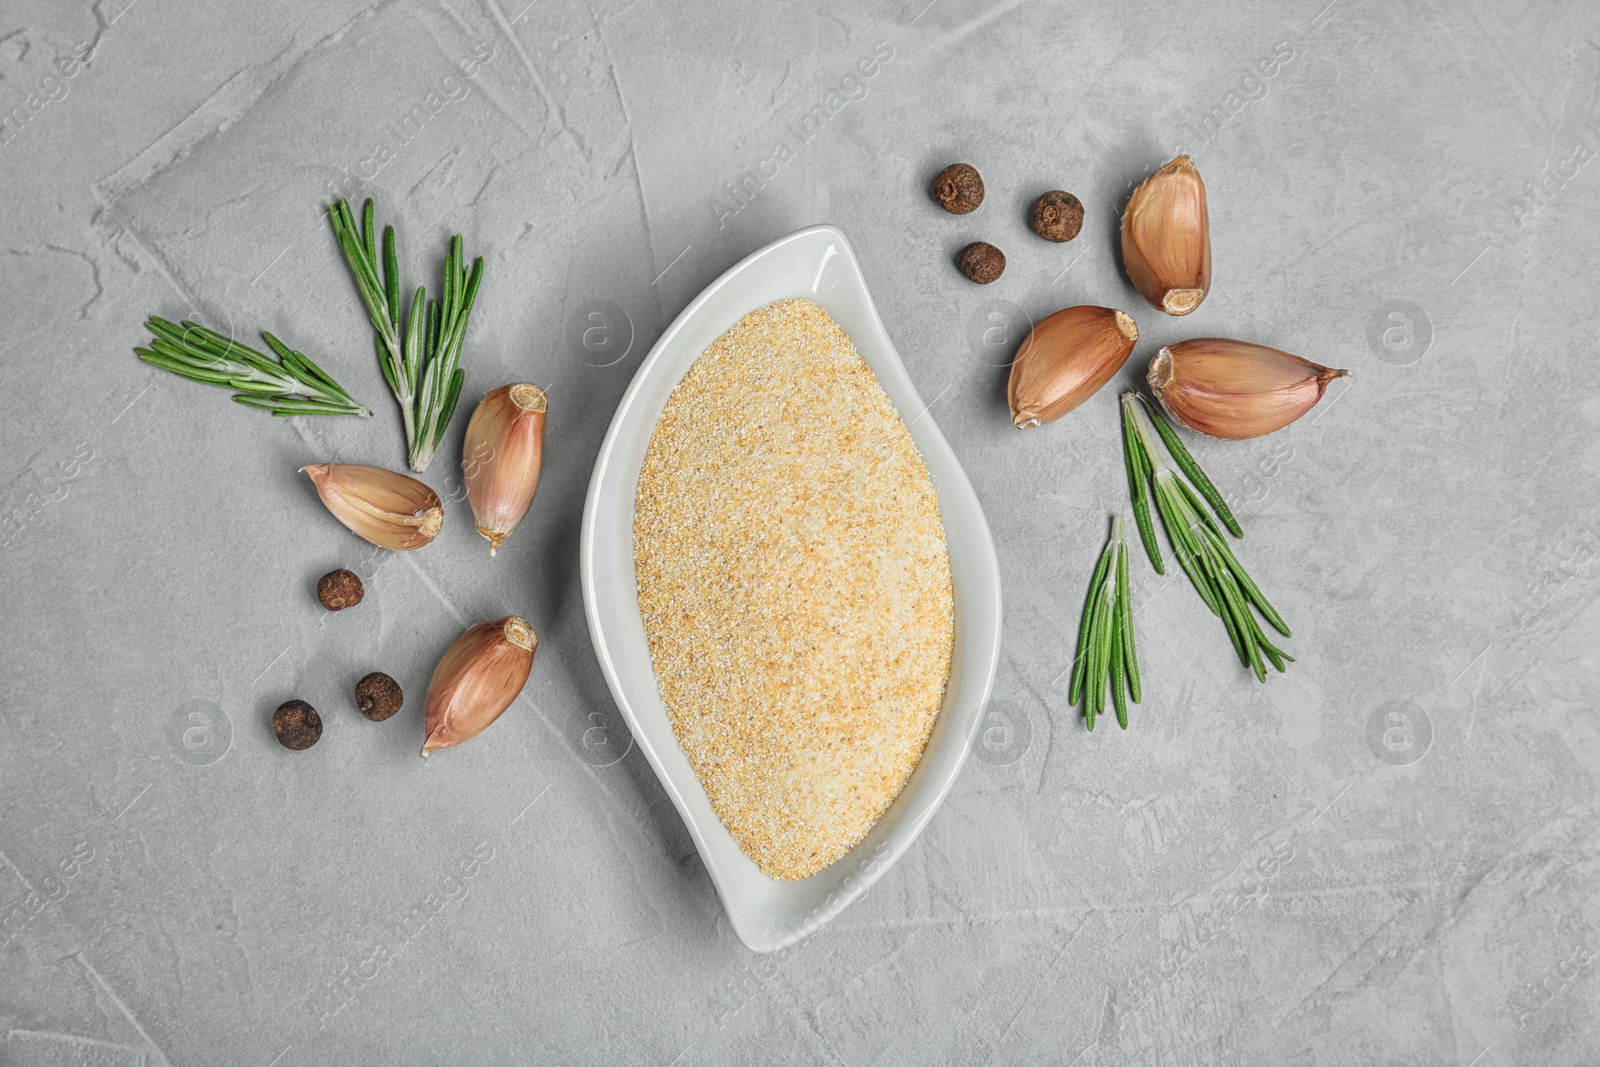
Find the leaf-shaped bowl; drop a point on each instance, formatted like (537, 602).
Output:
(818, 264)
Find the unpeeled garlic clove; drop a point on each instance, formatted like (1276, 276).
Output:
(1234, 389)
(477, 680)
(501, 457)
(1166, 238)
(1065, 359)
(391, 510)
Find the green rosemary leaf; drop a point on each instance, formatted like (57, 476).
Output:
(296, 365)
(198, 336)
(1085, 627)
(1118, 701)
(251, 400)
(186, 370)
(416, 349)
(458, 380)
(201, 346)
(1130, 655)
(1186, 463)
(1237, 636)
(161, 327)
(188, 354)
(1242, 619)
(245, 385)
(288, 408)
(1137, 464)
(391, 276)
(1091, 670)
(1264, 643)
(284, 352)
(1101, 656)
(313, 372)
(169, 330)
(426, 395)
(431, 329)
(1267, 648)
(369, 229)
(1092, 673)
(1250, 587)
(474, 280)
(451, 293)
(1108, 648)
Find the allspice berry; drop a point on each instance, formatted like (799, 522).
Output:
(339, 589)
(982, 262)
(958, 188)
(297, 725)
(1057, 216)
(378, 696)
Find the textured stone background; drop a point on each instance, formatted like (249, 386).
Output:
(1386, 856)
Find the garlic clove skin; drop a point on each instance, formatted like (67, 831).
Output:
(1166, 238)
(1065, 360)
(393, 511)
(477, 679)
(1234, 389)
(501, 457)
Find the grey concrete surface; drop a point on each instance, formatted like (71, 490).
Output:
(1387, 856)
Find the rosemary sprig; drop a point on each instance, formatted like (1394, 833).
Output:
(1197, 541)
(289, 385)
(421, 363)
(1106, 652)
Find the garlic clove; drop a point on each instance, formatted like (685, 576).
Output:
(1166, 238)
(1234, 389)
(1065, 359)
(501, 457)
(477, 679)
(391, 510)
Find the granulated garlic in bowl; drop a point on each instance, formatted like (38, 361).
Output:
(770, 911)
(795, 587)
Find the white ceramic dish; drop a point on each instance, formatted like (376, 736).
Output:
(818, 264)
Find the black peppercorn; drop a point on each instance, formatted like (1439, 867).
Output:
(1057, 216)
(339, 589)
(378, 696)
(982, 262)
(297, 724)
(958, 188)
